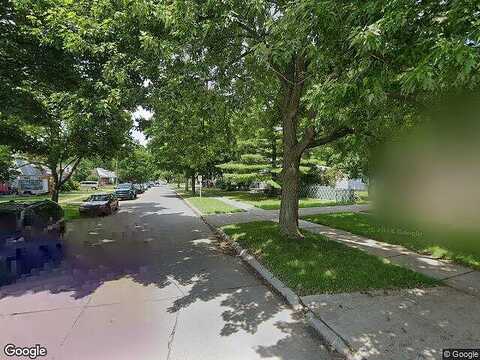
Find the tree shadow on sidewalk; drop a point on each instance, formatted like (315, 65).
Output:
(159, 253)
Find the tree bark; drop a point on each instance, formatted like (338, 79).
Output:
(59, 179)
(288, 218)
(56, 183)
(193, 184)
(292, 85)
(55, 192)
(293, 82)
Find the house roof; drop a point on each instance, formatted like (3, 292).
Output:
(103, 173)
(27, 169)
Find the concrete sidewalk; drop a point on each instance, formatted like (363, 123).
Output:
(150, 282)
(252, 213)
(401, 324)
(393, 324)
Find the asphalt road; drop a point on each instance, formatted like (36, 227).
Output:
(147, 283)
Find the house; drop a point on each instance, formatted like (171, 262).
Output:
(105, 177)
(351, 184)
(32, 179)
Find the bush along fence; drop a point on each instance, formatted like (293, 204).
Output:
(327, 193)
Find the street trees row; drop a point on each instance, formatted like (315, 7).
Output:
(343, 74)
(58, 105)
(349, 71)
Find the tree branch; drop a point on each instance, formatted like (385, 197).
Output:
(310, 139)
(253, 32)
(74, 167)
(337, 134)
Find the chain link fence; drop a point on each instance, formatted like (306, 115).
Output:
(327, 193)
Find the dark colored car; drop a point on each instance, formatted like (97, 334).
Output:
(140, 188)
(126, 191)
(42, 219)
(99, 204)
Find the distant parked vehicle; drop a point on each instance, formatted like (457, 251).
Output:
(5, 189)
(92, 185)
(99, 204)
(126, 191)
(140, 188)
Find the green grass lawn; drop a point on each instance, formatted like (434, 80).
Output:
(71, 211)
(318, 265)
(265, 202)
(211, 206)
(207, 204)
(459, 246)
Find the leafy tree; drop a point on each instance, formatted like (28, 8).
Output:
(137, 166)
(341, 67)
(257, 151)
(333, 70)
(69, 107)
(190, 131)
(6, 164)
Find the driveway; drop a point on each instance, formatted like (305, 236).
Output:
(150, 283)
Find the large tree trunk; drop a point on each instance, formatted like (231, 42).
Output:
(55, 194)
(293, 82)
(59, 179)
(193, 183)
(292, 90)
(56, 187)
(186, 181)
(290, 195)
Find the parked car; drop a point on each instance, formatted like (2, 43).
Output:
(92, 185)
(6, 189)
(38, 220)
(126, 191)
(140, 188)
(99, 204)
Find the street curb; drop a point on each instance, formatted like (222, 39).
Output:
(191, 206)
(292, 299)
(323, 330)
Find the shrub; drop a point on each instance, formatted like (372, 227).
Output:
(70, 185)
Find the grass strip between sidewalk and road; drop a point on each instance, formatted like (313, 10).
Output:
(206, 204)
(318, 265)
(459, 246)
(209, 206)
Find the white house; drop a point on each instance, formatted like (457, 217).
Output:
(351, 184)
(32, 179)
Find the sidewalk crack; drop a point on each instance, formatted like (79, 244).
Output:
(172, 335)
(75, 322)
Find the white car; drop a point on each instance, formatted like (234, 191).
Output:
(92, 185)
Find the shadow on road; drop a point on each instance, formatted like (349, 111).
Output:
(148, 251)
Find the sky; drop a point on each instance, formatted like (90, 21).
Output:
(139, 114)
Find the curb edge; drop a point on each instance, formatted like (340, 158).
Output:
(323, 330)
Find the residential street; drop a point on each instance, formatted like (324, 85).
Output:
(149, 283)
